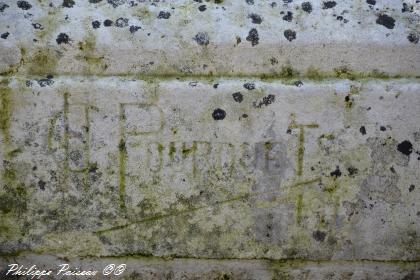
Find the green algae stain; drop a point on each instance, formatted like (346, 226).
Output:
(5, 111)
(13, 198)
(314, 74)
(50, 136)
(43, 62)
(344, 73)
(381, 75)
(288, 72)
(331, 187)
(12, 192)
(89, 55)
(48, 23)
(187, 151)
(14, 68)
(268, 146)
(287, 75)
(14, 152)
(172, 150)
(9, 229)
(299, 208)
(300, 152)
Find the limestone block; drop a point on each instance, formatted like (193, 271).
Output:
(211, 139)
(223, 168)
(185, 37)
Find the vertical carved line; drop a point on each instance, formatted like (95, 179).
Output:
(299, 208)
(122, 155)
(87, 146)
(66, 143)
(300, 150)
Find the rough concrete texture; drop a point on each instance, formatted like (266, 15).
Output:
(211, 139)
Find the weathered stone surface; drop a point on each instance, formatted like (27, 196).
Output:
(211, 139)
(156, 269)
(222, 168)
(274, 38)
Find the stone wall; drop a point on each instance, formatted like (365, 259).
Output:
(242, 139)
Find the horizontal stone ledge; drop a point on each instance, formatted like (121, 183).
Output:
(232, 37)
(286, 76)
(155, 268)
(232, 168)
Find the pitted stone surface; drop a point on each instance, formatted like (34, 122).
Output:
(264, 38)
(120, 166)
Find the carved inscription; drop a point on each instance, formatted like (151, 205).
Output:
(144, 156)
(200, 156)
